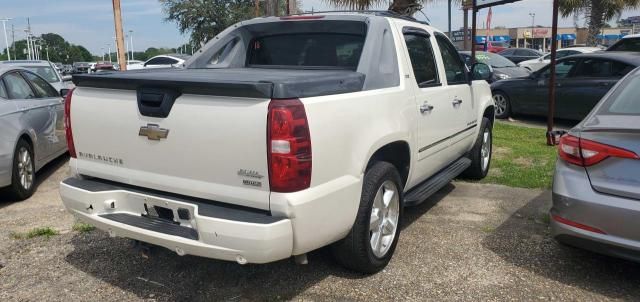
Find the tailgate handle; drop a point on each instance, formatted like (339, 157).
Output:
(156, 102)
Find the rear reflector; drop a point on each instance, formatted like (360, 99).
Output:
(67, 124)
(288, 146)
(585, 153)
(577, 225)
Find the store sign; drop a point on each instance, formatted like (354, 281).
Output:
(487, 3)
(458, 35)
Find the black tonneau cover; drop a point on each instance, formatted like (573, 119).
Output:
(234, 82)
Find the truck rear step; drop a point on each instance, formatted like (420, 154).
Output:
(153, 224)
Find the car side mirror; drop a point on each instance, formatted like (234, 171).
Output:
(481, 71)
(64, 92)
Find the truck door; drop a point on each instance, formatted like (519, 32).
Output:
(462, 120)
(432, 103)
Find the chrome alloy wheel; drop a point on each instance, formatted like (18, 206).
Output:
(25, 168)
(501, 104)
(485, 151)
(384, 218)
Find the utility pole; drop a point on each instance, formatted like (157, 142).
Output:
(465, 35)
(109, 49)
(552, 76)
(26, 31)
(257, 8)
(117, 19)
(6, 40)
(449, 11)
(13, 41)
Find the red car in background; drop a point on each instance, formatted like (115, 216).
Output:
(493, 46)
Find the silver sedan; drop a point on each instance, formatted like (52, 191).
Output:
(596, 188)
(31, 128)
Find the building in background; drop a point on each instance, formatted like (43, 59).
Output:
(540, 38)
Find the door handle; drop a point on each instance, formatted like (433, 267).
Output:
(425, 108)
(456, 102)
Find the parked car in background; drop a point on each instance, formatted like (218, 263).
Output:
(536, 64)
(492, 46)
(280, 185)
(627, 43)
(502, 68)
(517, 55)
(32, 128)
(80, 67)
(92, 67)
(582, 80)
(104, 66)
(134, 62)
(45, 69)
(67, 69)
(161, 61)
(596, 187)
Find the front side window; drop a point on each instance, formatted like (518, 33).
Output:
(42, 88)
(423, 61)
(453, 65)
(17, 87)
(594, 68)
(629, 44)
(3, 92)
(319, 50)
(563, 69)
(157, 61)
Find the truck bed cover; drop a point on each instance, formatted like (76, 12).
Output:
(234, 82)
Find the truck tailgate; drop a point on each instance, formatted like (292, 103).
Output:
(215, 146)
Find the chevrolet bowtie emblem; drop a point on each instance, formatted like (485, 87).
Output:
(153, 132)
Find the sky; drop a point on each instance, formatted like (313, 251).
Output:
(90, 22)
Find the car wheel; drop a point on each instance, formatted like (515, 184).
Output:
(503, 105)
(480, 155)
(23, 175)
(370, 244)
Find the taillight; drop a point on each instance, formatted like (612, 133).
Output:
(584, 152)
(289, 146)
(67, 123)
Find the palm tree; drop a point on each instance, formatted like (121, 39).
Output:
(402, 7)
(597, 13)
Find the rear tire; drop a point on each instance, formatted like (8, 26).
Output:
(480, 155)
(503, 104)
(370, 244)
(23, 174)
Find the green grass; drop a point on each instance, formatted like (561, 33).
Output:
(83, 227)
(521, 157)
(45, 231)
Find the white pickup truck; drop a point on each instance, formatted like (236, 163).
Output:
(281, 136)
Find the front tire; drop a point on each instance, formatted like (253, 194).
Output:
(503, 104)
(370, 244)
(23, 174)
(480, 155)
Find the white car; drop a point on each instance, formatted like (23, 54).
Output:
(283, 135)
(161, 61)
(537, 64)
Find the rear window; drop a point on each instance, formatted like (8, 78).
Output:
(44, 71)
(315, 50)
(629, 44)
(624, 101)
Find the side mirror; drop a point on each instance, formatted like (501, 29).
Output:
(66, 78)
(481, 71)
(64, 92)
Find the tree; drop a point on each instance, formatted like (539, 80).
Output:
(402, 7)
(596, 12)
(204, 19)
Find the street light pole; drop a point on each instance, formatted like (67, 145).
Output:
(533, 22)
(131, 44)
(6, 40)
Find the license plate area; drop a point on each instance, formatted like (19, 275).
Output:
(178, 213)
(159, 212)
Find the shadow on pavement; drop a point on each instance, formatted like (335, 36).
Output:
(539, 122)
(524, 240)
(167, 276)
(42, 175)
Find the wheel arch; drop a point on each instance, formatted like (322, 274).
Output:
(397, 153)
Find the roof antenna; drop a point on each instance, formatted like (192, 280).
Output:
(425, 16)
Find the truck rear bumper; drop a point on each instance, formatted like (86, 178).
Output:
(182, 224)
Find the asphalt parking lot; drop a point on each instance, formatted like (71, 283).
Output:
(468, 242)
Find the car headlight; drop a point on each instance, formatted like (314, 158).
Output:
(502, 76)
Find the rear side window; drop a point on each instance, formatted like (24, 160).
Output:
(320, 50)
(624, 101)
(630, 44)
(3, 92)
(42, 88)
(422, 60)
(17, 87)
